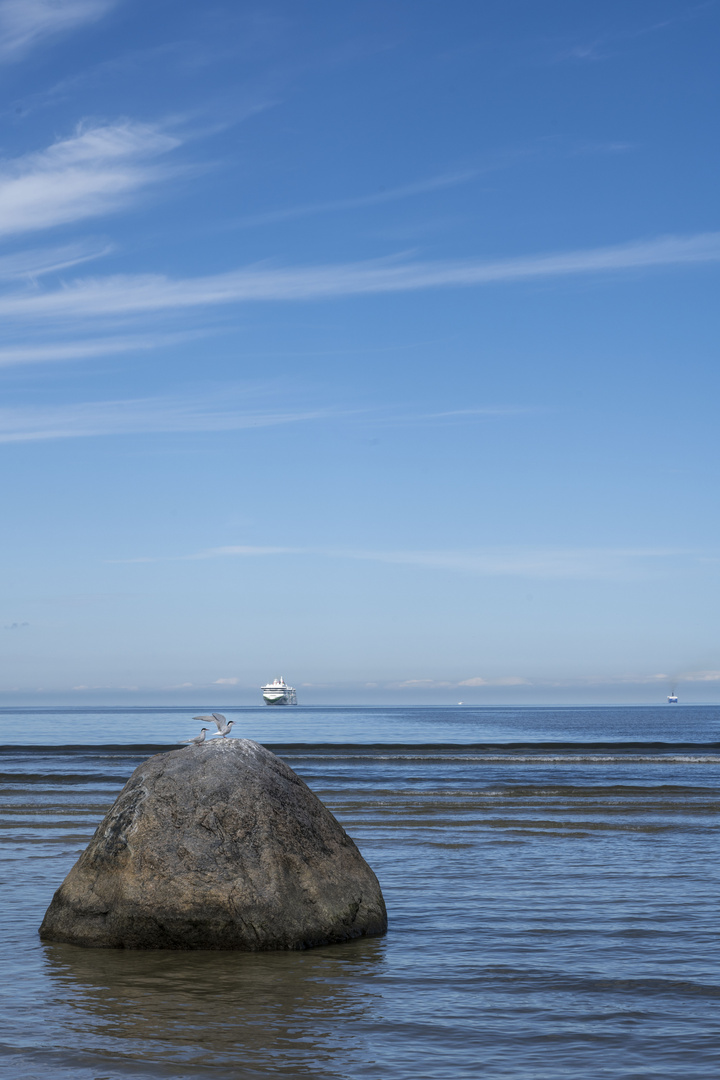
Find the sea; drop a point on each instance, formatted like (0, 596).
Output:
(552, 878)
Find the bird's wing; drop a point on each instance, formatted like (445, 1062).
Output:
(202, 717)
(219, 720)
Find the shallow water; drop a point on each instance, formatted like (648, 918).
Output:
(551, 878)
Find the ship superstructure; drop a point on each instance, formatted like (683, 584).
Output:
(279, 693)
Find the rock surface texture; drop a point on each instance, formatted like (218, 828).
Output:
(218, 846)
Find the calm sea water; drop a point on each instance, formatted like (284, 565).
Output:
(552, 880)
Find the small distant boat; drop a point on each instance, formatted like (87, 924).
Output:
(672, 699)
(279, 693)
(461, 702)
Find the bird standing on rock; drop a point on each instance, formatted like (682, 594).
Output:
(219, 721)
(197, 739)
(222, 724)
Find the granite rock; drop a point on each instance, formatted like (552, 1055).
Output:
(217, 846)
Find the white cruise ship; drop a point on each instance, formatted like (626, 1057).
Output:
(279, 693)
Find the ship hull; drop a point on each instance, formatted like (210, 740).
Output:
(279, 693)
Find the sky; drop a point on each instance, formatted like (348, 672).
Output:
(372, 344)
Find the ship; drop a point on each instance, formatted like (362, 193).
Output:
(672, 699)
(279, 693)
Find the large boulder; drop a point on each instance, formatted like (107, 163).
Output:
(217, 846)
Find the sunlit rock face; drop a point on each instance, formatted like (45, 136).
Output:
(217, 846)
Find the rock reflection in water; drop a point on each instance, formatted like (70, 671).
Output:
(270, 1012)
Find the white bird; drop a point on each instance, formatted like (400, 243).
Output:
(197, 739)
(222, 724)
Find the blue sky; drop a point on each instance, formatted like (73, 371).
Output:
(373, 344)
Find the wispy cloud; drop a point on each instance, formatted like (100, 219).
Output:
(53, 351)
(508, 680)
(491, 163)
(542, 563)
(148, 294)
(230, 409)
(603, 46)
(450, 416)
(37, 262)
(384, 195)
(25, 23)
(92, 172)
(443, 684)
(532, 563)
(189, 413)
(579, 682)
(83, 686)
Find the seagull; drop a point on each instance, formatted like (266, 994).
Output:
(197, 739)
(222, 724)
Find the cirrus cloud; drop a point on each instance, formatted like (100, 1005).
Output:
(143, 295)
(89, 173)
(25, 23)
